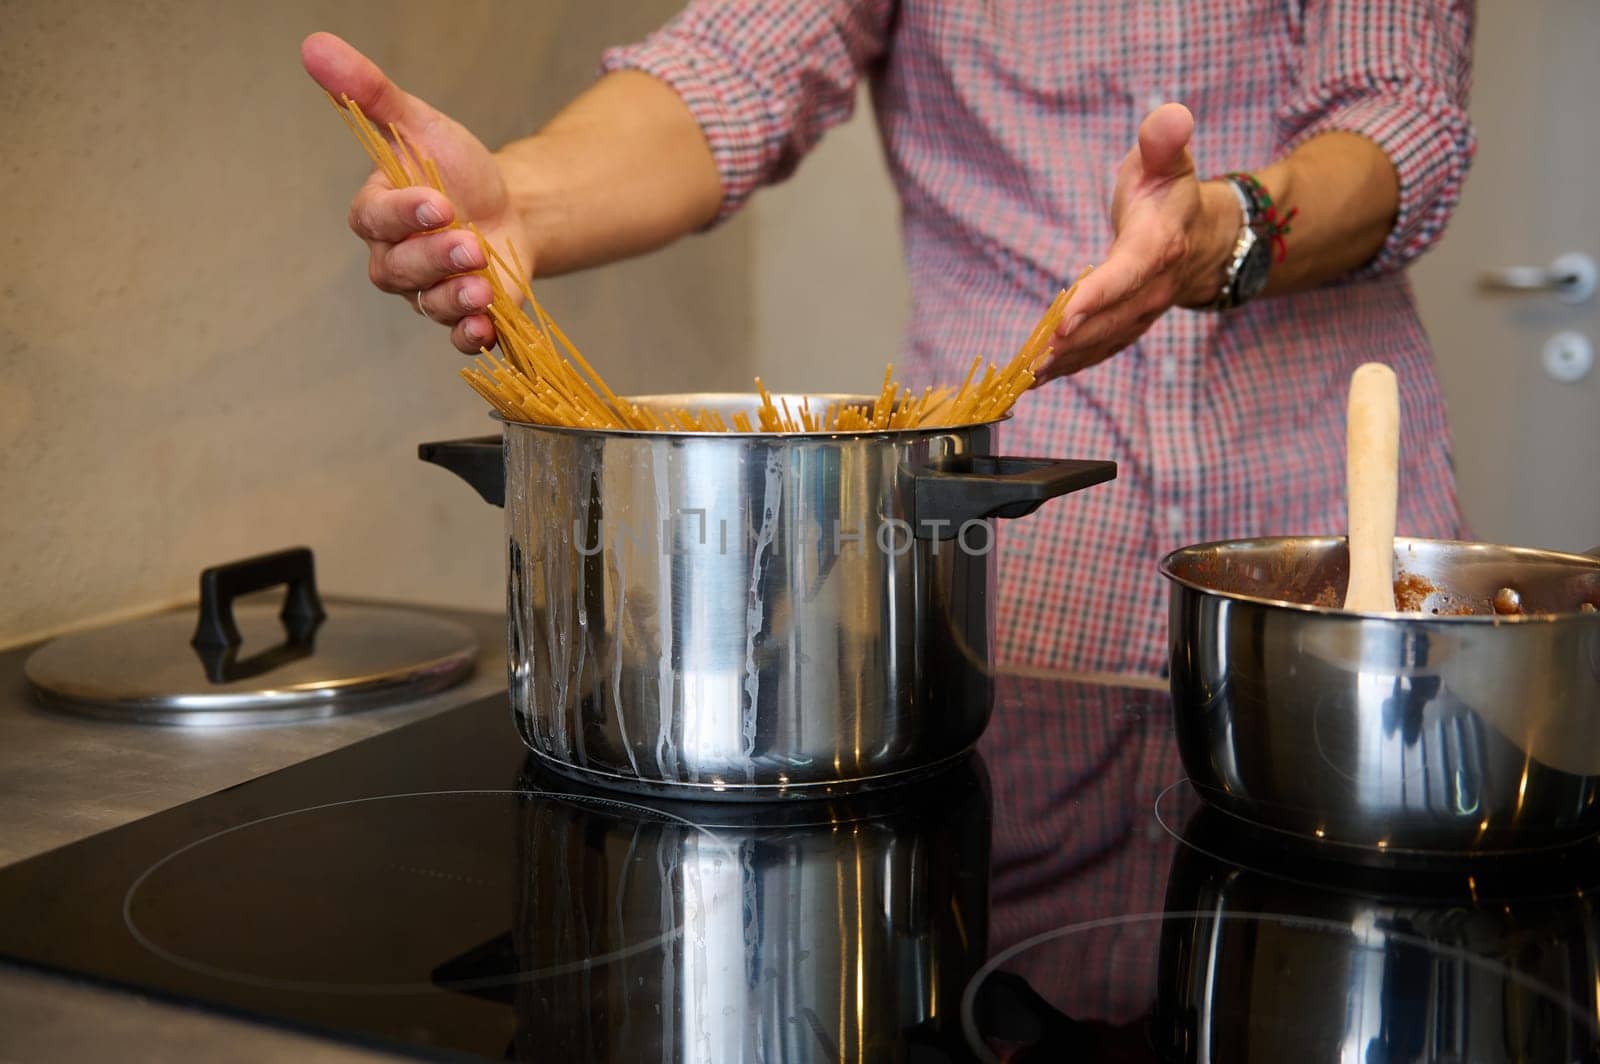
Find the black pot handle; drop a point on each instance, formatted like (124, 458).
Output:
(221, 584)
(480, 461)
(967, 488)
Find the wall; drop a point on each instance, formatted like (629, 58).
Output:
(829, 288)
(192, 365)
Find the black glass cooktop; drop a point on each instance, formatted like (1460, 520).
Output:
(1060, 896)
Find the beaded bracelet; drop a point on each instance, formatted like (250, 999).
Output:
(1275, 227)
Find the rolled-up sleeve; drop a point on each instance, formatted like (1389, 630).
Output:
(1396, 72)
(764, 78)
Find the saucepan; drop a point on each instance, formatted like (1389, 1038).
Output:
(752, 615)
(1451, 727)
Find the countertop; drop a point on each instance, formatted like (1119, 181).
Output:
(64, 778)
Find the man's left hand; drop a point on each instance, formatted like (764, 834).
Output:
(1173, 234)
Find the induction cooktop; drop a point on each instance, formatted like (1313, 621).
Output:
(1059, 895)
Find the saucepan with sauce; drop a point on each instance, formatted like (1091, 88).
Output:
(1465, 721)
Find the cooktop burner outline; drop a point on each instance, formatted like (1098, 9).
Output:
(310, 986)
(975, 1039)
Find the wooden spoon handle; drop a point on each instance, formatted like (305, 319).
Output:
(1372, 458)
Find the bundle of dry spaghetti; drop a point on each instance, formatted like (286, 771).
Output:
(541, 377)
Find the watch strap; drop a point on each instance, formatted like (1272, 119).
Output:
(1271, 221)
(1228, 294)
(1252, 194)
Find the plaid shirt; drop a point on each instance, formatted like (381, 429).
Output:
(1004, 124)
(1075, 771)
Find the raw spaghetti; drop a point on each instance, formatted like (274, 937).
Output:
(541, 377)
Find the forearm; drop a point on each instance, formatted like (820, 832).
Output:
(1346, 194)
(622, 170)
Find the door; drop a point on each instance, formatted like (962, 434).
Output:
(1524, 410)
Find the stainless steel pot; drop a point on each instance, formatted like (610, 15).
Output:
(751, 615)
(1406, 731)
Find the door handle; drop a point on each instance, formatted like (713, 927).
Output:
(1570, 278)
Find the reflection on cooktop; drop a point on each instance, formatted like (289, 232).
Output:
(264, 903)
(1553, 873)
(1368, 985)
(617, 931)
(1267, 953)
(1061, 896)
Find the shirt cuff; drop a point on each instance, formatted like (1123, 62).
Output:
(722, 100)
(1430, 141)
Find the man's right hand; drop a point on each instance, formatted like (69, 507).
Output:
(412, 252)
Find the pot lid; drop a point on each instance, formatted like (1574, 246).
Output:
(252, 663)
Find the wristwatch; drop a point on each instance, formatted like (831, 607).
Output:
(1247, 266)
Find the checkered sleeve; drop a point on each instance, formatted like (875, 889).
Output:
(1396, 72)
(764, 78)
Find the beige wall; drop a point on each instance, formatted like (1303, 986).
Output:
(194, 368)
(829, 288)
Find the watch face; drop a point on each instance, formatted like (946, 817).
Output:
(1252, 277)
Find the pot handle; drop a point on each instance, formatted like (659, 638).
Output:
(221, 584)
(966, 488)
(479, 460)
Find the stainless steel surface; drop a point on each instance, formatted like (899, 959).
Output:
(859, 921)
(742, 615)
(1570, 278)
(146, 670)
(1416, 731)
(1366, 970)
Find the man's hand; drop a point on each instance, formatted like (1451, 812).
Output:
(411, 253)
(1172, 237)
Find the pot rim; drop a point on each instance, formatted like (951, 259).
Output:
(750, 401)
(1582, 561)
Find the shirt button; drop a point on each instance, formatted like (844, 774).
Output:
(1154, 100)
(1169, 368)
(1174, 519)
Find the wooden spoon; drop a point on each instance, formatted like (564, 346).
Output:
(1372, 459)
